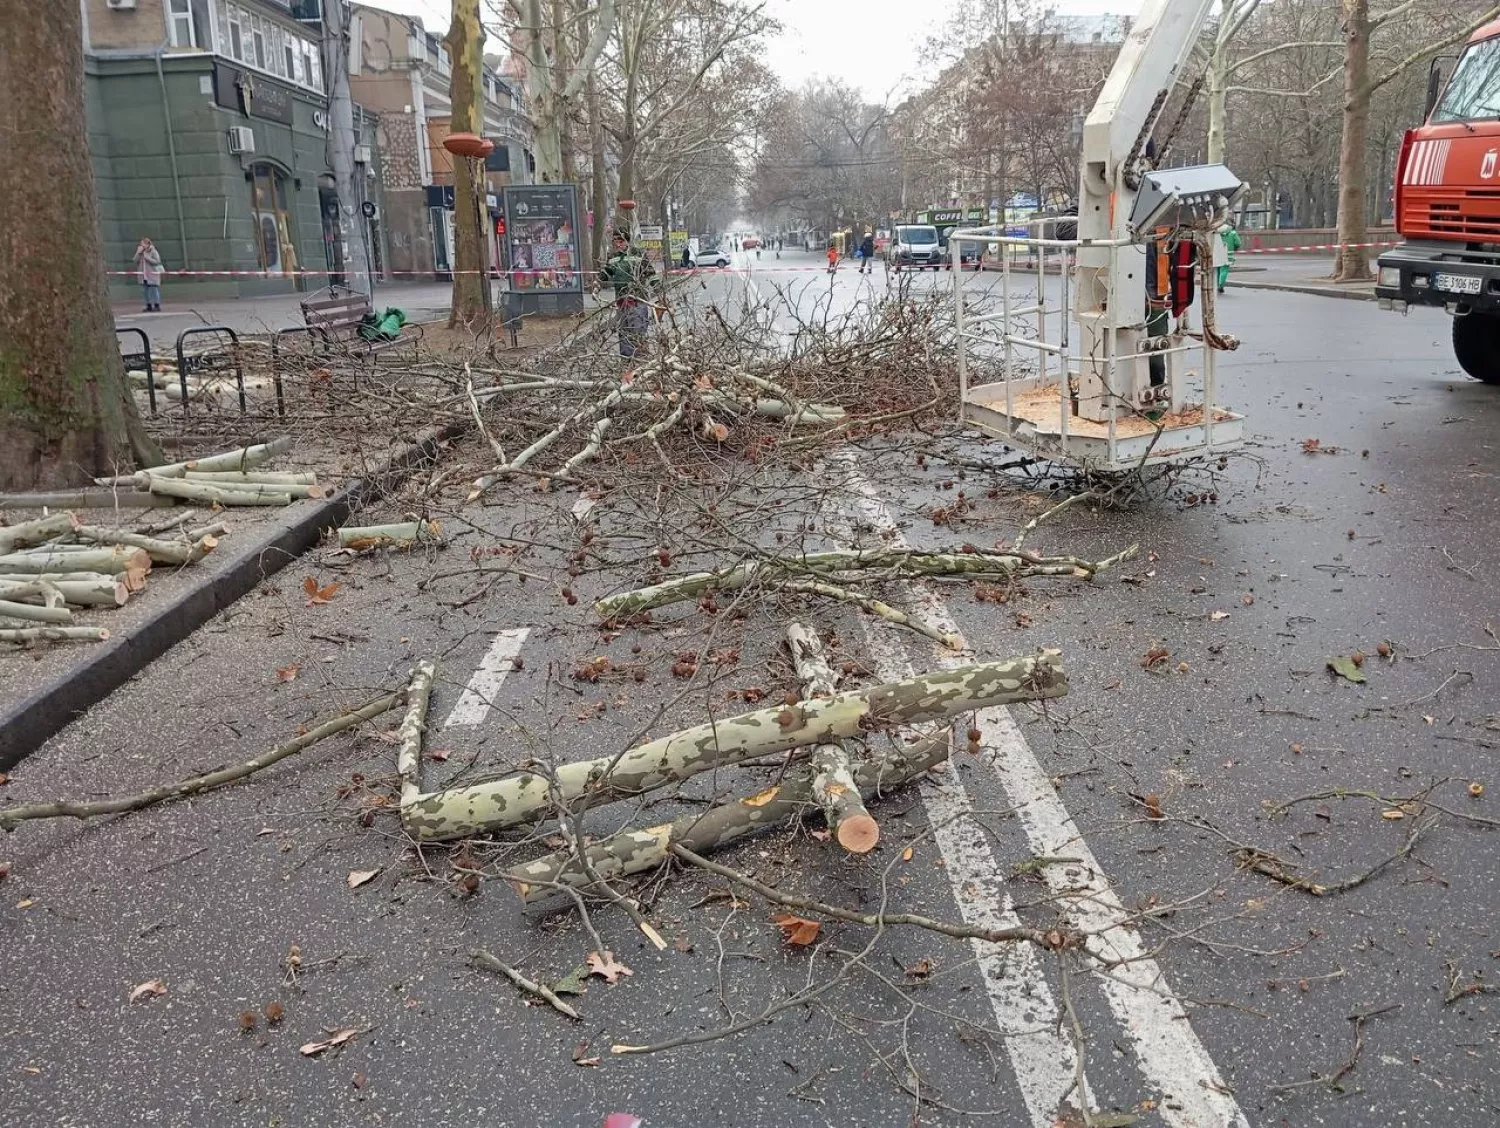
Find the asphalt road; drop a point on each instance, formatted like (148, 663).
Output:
(1238, 995)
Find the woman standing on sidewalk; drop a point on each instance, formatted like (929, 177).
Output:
(148, 266)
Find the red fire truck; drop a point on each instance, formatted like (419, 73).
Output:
(1448, 209)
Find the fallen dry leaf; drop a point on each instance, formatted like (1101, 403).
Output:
(1392, 814)
(438, 754)
(1153, 806)
(1475, 789)
(358, 1080)
(922, 969)
(581, 1055)
(906, 854)
(1218, 616)
(148, 989)
(604, 965)
(4, 870)
(799, 931)
(818, 836)
(4, 779)
(1154, 657)
(335, 1038)
(357, 878)
(316, 594)
(273, 1013)
(1247, 599)
(287, 673)
(26, 904)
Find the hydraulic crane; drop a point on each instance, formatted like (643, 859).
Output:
(1119, 399)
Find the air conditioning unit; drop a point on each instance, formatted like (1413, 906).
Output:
(362, 154)
(241, 139)
(120, 5)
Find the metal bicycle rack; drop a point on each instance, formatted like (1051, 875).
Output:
(141, 357)
(211, 361)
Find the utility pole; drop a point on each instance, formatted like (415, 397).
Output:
(341, 147)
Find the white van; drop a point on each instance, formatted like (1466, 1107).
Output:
(914, 245)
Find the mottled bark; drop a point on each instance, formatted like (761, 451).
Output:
(887, 562)
(526, 796)
(413, 730)
(29, 534)
(66, 411)
(76, 558)
(160, 551)
(1353, 263)
(635, 851)
(81, 589)
(465, 41)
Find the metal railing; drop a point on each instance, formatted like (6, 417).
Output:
(1011, 315)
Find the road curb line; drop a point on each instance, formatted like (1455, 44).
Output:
(27, 725)
(1316, 291)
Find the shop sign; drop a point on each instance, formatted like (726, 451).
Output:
(251, 94)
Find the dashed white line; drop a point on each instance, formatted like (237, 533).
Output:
(474, 704)
(1167, 1050)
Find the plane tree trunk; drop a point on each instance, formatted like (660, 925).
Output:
(66, 413)
(465, 42)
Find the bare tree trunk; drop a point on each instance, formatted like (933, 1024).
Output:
(465, 42)
(562, 67)
(599, 176)
(1352, 264)
(1218, 80)
(66, 412)
(536, 42)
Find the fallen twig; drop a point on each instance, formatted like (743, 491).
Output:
(540, 990)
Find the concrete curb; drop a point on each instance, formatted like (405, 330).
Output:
(31, 722)
(1329, 291)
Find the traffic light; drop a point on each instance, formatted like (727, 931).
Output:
(500, 225)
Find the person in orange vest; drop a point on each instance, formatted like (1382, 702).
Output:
(833, 255)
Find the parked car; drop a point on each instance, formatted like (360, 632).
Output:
(710, 256)
(914, 245)
(750, 242)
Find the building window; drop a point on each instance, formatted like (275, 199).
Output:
(289, 53)
(236, 34)
(180, 15)
(272, 219)
(258, 39)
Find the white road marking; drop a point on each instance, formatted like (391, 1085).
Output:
(1167, 1050)
(474, 705)
(1044, 1060)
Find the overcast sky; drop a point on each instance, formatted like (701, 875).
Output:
(874, 45)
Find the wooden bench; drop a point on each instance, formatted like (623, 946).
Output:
(333, 318)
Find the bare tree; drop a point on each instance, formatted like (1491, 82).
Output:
(65, 411)
(465, 42)
(545, 36)
(658, 60)
(1359, 84)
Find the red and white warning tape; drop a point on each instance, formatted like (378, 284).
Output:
(761, 266)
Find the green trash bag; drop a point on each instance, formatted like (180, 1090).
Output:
(383, 327)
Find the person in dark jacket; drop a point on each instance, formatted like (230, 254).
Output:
(867, 253)
(631, 275)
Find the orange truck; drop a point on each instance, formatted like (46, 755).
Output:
(1448, 209)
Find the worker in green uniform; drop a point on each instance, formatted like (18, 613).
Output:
(631, 275)
(1227, 241)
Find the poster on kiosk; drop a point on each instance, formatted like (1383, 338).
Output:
(542, 247)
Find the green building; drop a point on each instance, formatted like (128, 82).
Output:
(207, 126)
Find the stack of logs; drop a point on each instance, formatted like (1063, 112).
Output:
(830, 739)
(231, 478)
(50, 566)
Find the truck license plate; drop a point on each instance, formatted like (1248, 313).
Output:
(1456, 283)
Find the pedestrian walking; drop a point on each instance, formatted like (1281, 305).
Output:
(833, 255)
(1226, 242)
(631, 275)
(148, 268)
(867, 252)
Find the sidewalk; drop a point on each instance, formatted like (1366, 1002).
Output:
(1297, 274)
(422, 301)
